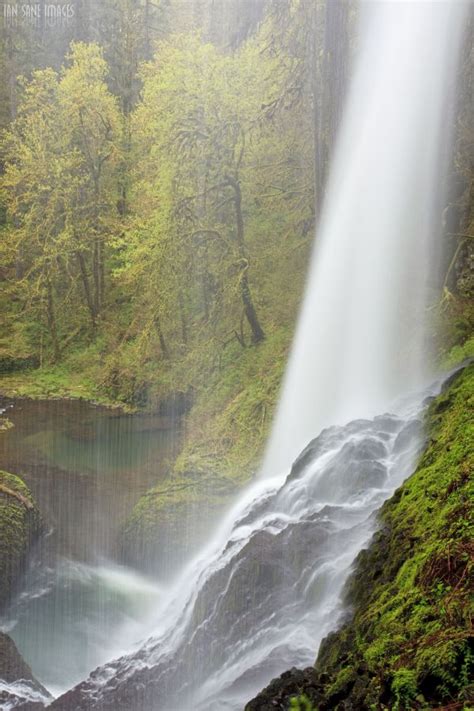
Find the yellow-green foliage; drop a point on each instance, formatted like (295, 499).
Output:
(410, 641)
(19, 526)
(60, 156)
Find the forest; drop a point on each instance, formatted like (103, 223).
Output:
(158, 202)
(159, 196)
(164, 166)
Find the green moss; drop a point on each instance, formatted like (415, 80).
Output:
(78, 376)
(344, 678)
(19, 526)
(404, 687)
(458, 353)
(409, 643)
(410, 639)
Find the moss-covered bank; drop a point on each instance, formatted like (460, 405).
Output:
(20, 526)
(409, 642)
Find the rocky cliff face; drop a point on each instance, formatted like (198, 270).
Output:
(408, 643)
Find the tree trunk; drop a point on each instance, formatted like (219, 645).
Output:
(258, 333)
(52, 320)
(83, 22)
(148, 52)
(163, 346)
(97, 258)
(101, 273)
(182, 313)
(96, 276)
(87, 289)
(205, 283)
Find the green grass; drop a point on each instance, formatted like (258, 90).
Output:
(79, 376)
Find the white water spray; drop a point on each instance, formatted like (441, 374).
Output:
(361, 338)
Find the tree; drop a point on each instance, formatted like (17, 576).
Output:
(58, 185)
(197, 115)
(91, 120)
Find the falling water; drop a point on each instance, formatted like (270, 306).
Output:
(361, 338)
(265, 591)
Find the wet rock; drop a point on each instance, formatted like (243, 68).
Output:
(178, 514)
(20, 527)
(410, 431)
(177, 404)
(311, 451)
(19, 690)
(269, 567)
(291, 684)
(12, 665)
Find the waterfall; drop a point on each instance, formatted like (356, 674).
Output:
(360, 341)
(265, 591)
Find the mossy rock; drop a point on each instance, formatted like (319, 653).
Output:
(409, 643)
(20, 526)
(173, 519)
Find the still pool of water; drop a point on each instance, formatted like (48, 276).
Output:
(86, 466)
